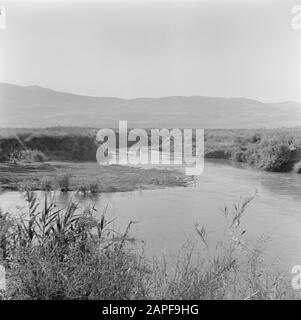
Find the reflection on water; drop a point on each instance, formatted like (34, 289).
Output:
(166, 217)
(277, 183)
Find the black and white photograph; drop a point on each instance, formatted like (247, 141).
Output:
(150, 150)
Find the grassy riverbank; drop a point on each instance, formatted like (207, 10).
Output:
(276, 150)
(267, 149)
(67, 254)
(86, 177)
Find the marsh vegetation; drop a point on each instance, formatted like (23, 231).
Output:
(267, 149)
(53, 253)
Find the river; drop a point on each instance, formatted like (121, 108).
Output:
(166, 218)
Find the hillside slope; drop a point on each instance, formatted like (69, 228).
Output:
(33, 106)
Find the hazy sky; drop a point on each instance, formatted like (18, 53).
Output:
(153, 49)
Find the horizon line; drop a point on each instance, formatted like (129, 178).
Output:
(145, 97)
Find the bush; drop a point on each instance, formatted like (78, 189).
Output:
(238, 155)
(64, 182)
(28, 156)
(92, 187)
(233, 269)
(271, 150)
(46, 184)
(273, 156)
(67, 254)
(83, 189)
(254, 138)
(28, 185)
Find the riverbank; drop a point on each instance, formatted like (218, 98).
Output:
(86, 177)
(69, 254)
(275, 150)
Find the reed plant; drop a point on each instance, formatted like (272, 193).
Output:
(54, 253)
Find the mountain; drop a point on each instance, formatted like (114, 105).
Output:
(34, 106)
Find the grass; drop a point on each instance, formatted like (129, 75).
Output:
(59, 143)
(89, 188)
(64, 182)
(87, 176)
(52, 253)
(270, 150)
(66, 254)
(267, 149)
(46, 184)
(27, 156)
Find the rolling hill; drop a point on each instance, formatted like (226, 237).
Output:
(34, 106)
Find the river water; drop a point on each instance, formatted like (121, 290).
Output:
(166, 218)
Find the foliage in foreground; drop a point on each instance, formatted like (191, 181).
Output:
(51, 253)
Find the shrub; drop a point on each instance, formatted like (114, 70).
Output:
(94, 186)
(254, 138)
(46, 184)
(83, 189)
(67, 254)
(233, 269)
(28, 155)
(273, 156)
(269, 154)
(238, 154)
(64, 182)
(271, 150)
(28, 185)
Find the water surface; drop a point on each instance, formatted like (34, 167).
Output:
(166, 217)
